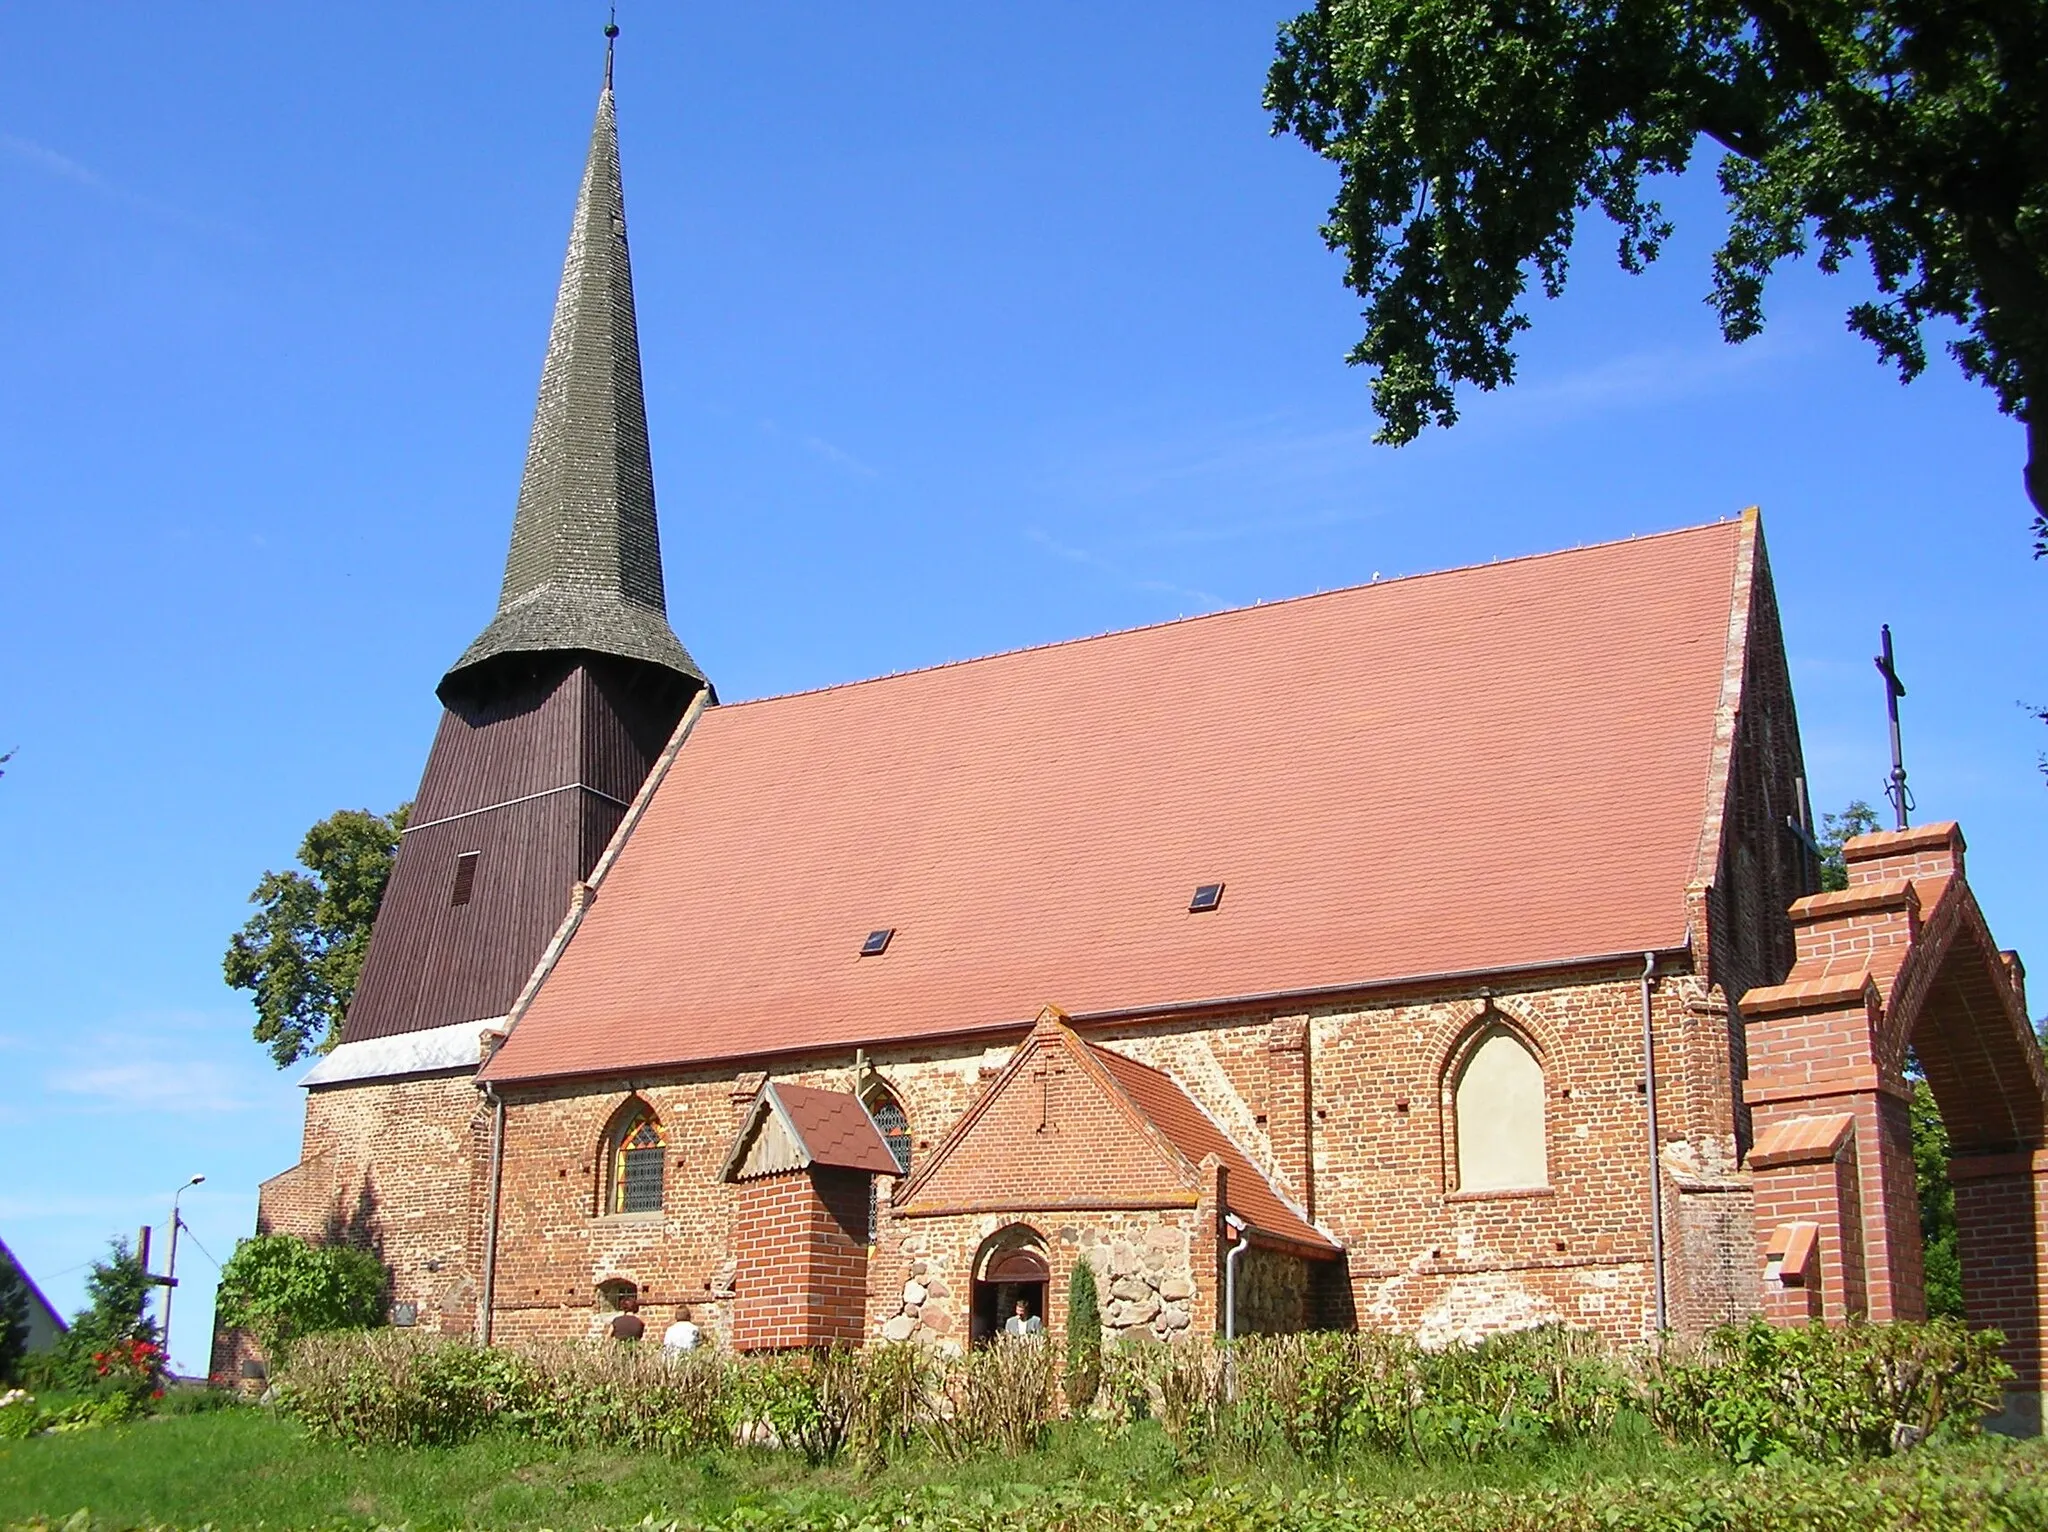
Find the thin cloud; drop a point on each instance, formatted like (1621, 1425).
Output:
(1096, 561)
(826, 452)
(195, 1087)
(29, 152)
(839, 458)
(26, 151)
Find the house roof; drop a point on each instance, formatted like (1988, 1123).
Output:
(989, 1161)
(1197, 1135)
(584, 571)
(828, 1127)
(1499, 767)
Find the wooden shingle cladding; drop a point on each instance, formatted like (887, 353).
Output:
(532, 785)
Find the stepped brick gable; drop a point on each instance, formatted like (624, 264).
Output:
(1440, 955)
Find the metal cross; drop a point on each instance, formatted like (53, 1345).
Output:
(1044, 1074)
(1894, 688)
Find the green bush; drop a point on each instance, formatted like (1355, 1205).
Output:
(280, 1288)
(112, 1345)
(1751, 1393)
(20, 1415)
(1830, 1394)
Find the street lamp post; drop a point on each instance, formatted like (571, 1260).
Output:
(171, 1265)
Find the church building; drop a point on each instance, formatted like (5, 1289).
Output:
(1442, 954)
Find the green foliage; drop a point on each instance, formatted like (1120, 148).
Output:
(1323, 1401)
(279, 1288)
(301, 953)
(1472, 134)
(20, 1415)
(1759, 1392)
(1937, 1206)
(1084, 1339)
(13, 1318)
(98, 1353)
(1836, 830)
(257, 1469)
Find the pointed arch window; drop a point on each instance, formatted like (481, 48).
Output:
(895, 1125)
(638, 1149)
(1498, 1115)
(894, 1122)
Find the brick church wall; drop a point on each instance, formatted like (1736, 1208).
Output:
(1375, 1129)
(387, 1165)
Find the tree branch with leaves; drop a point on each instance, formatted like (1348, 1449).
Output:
(302, 952)
(1471, 135)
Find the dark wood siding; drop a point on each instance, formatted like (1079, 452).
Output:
(510, 781)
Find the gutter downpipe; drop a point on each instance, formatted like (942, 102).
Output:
(1656, 1164)
(490, 1272)
(1236, 1226)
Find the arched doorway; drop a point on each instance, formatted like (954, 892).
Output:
(1010, 1266)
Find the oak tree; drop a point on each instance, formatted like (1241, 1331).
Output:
(302, 951)
(1472, 134)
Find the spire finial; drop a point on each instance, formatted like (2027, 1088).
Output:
(611, 36)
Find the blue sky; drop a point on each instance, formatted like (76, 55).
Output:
(964, 328)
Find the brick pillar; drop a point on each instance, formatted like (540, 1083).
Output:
(1812, 1044)
(803, 1260)
(1809, 1219)
(2003, 1244)
(1290, 1108)
(1206, 1246)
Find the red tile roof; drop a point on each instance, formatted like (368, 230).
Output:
(1491, 768)
(835, 1129)
(1192, 1131)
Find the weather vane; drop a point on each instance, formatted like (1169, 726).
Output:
(611, 36)
(1894, 688)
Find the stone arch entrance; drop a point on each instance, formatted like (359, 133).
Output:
(1011, 1264)
(1902, 960)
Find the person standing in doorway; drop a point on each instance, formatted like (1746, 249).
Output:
(1022, 1323)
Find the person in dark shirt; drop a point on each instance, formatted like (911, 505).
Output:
(627, 1325)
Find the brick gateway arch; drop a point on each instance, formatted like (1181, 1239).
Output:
(1900, 960)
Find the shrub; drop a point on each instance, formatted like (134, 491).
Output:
(279, 1288)
(99, 1352)
(1756, 1391)
(20, 1415)
(1002, 1398)
(1084, 1339)
(1753, 1393)
(13, 1318)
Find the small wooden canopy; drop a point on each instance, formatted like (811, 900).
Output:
(793, 1127)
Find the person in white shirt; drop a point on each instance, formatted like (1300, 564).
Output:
(681, 1336)
(1022, 1322)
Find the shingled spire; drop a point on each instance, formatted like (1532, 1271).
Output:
(584, 572)
(557, 712)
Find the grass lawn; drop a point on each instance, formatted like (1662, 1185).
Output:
(246, 1467)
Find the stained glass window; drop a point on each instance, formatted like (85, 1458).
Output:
(888, 1115)
(895, 1128)
(636, 1171)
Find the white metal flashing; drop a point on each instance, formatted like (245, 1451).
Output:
(458, 1046)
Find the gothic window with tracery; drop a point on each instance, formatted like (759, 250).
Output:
(889, 1116)
(637, 1154)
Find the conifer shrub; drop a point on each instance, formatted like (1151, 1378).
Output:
(1084, 1339)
